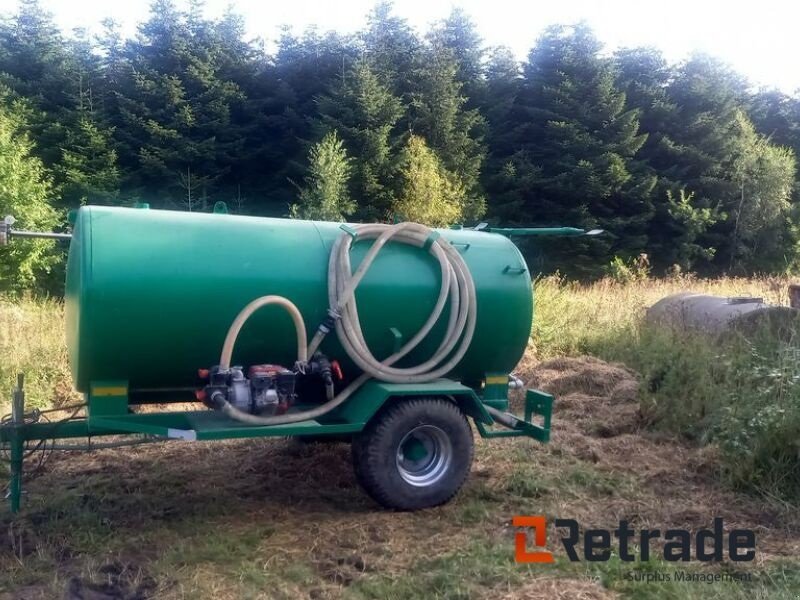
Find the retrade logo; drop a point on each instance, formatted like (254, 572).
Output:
(539, 526)
(597, 545)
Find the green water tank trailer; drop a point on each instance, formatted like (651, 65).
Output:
(150, 295)
(392, 336)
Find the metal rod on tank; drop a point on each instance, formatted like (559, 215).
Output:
(539, 231)
(48, 235)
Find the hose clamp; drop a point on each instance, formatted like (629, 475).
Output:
(301, 367)
(432, 237)
(329, 322)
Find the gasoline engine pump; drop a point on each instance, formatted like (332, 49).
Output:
(267, 389)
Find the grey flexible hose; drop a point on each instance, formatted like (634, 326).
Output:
(457, 286)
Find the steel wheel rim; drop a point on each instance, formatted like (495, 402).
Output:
(424, 455)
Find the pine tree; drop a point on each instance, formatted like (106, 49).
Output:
(438, 113)
(777, 116)
(698, 151)
(499, 175)
(88, 169)
(304, 69)
(681, 219)
(428, 193)
(114, 71)
(176, 105)
(35, 64)
(502, 73)
(660, 155)
(325, 196)
(365, 112)
(568, 152)
(391, 45)
(459, 35)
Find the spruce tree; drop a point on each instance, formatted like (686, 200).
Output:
(304, 69)
(459, 35)
(568, 152)
(503, 79)
(88, 169)
(365, 112)
(438, 112)
(681, 218)
(325, 195)
(428, 193)
(391, 45)
(699, 149)
(59, 80)
(176, 108)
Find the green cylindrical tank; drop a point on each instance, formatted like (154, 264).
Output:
(150, 295)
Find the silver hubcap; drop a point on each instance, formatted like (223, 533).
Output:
(424, 455)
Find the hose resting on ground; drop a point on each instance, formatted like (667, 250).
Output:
(457, 288)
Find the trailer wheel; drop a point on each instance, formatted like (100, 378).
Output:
(414, 454)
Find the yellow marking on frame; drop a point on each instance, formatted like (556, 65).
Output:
(497, 379)
(110, 391)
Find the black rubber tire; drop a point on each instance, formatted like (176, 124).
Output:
(375, 451)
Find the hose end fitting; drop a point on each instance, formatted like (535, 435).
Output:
(329, 322)
(217, 401)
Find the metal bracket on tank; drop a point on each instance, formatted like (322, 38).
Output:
(509, 270)
(537, 405)
(349, 230)
(398, 338)
(107, 399)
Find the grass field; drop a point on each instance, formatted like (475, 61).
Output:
(274, 519)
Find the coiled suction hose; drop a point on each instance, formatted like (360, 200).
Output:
(457, 287)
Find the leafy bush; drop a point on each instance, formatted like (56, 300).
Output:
(626, 271)
(25, 190)
(742, 395)
(759, 425)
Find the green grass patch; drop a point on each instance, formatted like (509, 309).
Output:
(222, 546)
(491, 567)
(658, 579)
(459, 575)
